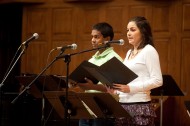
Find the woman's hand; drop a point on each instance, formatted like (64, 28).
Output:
(122, 88)
(110, 90)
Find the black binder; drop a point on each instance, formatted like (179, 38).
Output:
(80, 73)
(113, 71)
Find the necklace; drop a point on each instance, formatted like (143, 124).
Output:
(133, 54)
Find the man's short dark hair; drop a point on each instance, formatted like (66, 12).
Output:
(105, 29)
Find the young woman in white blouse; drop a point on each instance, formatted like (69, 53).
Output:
(142, 59)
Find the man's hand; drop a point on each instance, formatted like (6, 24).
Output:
(86, 86)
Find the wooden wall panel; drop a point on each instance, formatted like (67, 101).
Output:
(62, 24)
(63, 30)
(163, 47)
(185, 68)
(35, 57)
(36, 53)
(114, 15)
(36, 20)
(141, 10)
(87, 17)
(185, 72)
(161, 18)
(185, 60)
(186, 18)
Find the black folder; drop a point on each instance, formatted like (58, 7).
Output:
(80, 73)
(113, 71)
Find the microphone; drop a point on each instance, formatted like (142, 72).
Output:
(120, 42)
(34, 36)
(73, 47)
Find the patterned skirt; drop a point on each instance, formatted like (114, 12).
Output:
(142, 114)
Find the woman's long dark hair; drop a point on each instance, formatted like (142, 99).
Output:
(145, 29)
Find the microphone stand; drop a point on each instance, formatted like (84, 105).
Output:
(22, 52)
(67, 59)
(9, 71)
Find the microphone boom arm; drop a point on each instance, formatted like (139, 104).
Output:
(101, 47)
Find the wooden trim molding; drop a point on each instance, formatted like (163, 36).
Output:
(87, 0)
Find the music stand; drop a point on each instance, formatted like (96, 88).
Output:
(187, 104)
(86, 105)
(55, 97)
(106, 103)
(43, 83)
(169, 88)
